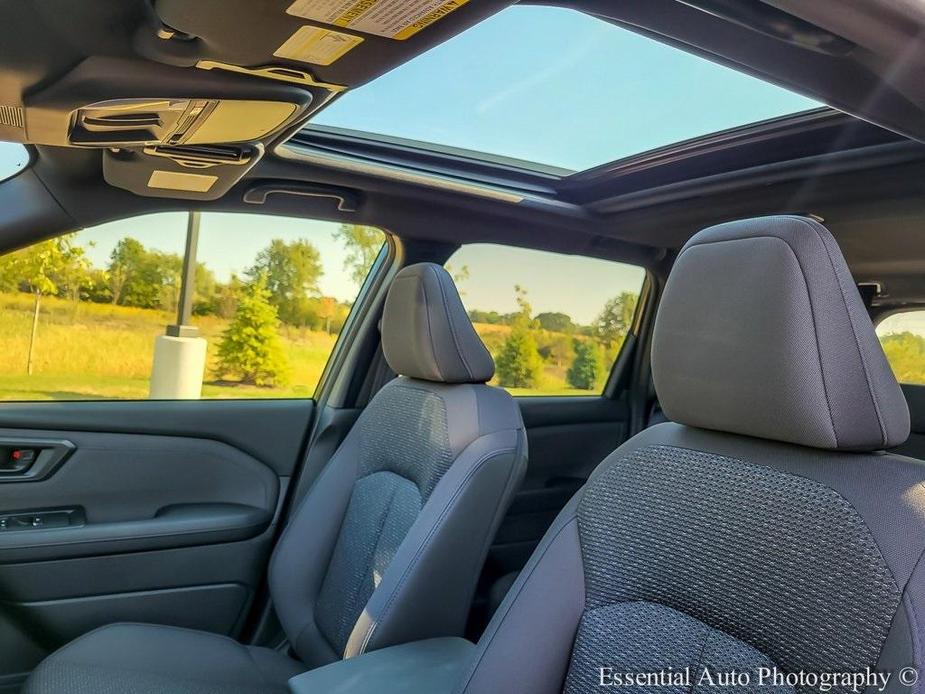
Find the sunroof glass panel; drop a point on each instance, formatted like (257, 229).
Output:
(559, 88)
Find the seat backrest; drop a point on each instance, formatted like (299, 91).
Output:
(387, 545)
(763, 530)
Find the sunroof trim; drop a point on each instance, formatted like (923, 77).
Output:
(780, 148)
(475, 156)
(721, 139)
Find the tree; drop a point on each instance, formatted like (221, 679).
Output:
(165, 270)
(327, 310)
(146, 278)
(292, 271)
(250, 346)
(223, 299)
(555, 322)
(519, 363)
(586, 368)
(363, 244)
(491, 317)
(125, 262)
(459, 276)
(46, 268)
(616, 318)
(905, 352)
(556, 348)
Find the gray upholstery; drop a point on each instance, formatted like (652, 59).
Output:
(426, 332)
(431, 666)
(645, 637)
(697, 546)
(405, 451)
(386, 546)
(700, 561)
(151, 659)
(728, 368)
(383, 550)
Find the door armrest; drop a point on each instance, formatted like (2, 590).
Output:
(434, 666)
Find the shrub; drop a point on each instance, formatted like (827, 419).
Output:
(519, 363)
(586, 368)
(250, 347)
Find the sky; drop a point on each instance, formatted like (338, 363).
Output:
(13, 157)
(228, 242)
(912, 321)
(572, 284)
(557, 87)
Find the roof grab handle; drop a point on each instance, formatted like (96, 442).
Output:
(347, 200)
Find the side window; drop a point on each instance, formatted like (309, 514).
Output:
(179, 306)
(553, 323)
(903, 338)
(13, 159)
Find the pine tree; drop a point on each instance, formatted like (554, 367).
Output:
(519, 363)
(586, 367)
(250, 347)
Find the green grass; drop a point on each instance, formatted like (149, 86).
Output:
(98, 351)
(87, 351)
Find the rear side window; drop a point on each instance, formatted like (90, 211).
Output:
(902, 336)
(553, 323)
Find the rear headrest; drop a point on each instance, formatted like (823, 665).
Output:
(426, 333)
(761, 331)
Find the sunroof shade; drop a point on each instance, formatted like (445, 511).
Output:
(558, 88)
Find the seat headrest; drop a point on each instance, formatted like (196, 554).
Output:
(426, 332)
(761, 331)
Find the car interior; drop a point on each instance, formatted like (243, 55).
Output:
(463, 346)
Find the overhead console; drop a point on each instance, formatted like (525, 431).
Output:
(164, 131)
(190, 121)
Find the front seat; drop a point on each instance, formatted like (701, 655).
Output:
(387, 545)
(763, 526)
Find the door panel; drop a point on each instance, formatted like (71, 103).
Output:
(914, 447)
(269, 430)
(567, 437)
(172, 523)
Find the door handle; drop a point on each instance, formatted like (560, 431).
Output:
(30, 460)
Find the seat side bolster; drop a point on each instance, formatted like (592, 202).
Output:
(427, 589)
(537, 621)
(903, 646)
(300, 560)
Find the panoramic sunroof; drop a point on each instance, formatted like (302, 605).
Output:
(557, 88)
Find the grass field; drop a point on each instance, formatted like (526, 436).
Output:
(87, 351)
(98, 351)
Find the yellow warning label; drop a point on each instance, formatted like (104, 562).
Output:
(394, 19)
(316, 45)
